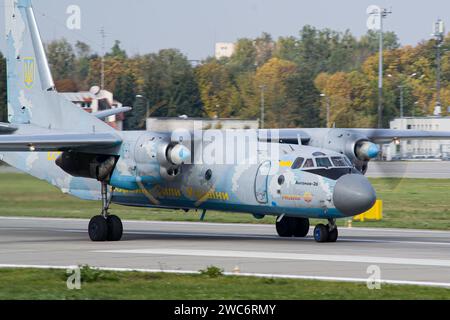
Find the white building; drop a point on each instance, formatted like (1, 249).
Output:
(417, 148)
(224, 50)
(96, 100)
(184, 123)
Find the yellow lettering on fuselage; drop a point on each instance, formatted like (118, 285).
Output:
(195, 194)
(52, 156)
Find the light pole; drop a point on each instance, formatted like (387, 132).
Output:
(401, 88)
(327, 99)
(439, 34)
(375, 22)
(401, 101)
(147, 113)
(263, 102)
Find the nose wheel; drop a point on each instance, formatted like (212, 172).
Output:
(105, 227)
(326, 233)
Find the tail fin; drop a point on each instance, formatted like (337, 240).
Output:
(32, 98)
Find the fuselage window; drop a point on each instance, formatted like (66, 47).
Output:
(298, 163)
(309, 164)
(323, 163)
(339, 162)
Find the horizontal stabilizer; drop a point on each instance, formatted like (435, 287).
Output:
(6, 128)
(111, 112)
(57, 142)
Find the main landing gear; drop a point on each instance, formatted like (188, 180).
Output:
(326, 233)
(288, 227)
(105, 227)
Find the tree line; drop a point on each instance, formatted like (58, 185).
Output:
(298, 77)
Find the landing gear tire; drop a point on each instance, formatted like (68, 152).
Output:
(284, 227)
(301, 227)
(98, 229)
(333, 235)
(115, 228)
(321, 233)
(105, 227)
(293, 227)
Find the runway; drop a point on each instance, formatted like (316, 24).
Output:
(408, 256)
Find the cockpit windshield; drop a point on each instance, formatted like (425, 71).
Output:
(329, 167)
(308, 164)
(323, 163)
(298, 163)
(341, 162)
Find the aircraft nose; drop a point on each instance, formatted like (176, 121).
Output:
(353, 195)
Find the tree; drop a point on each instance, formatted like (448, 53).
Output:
(244, 57)
(351, 99)
(264, 47)
(117, 51)
(125, 92)
(82, 64)
(3, 101)
(275, 76)
(61, 58)
(167, 80)
(218, 93)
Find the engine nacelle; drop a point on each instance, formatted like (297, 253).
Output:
(85, 165)
(157, 155)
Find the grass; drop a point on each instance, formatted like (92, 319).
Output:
(408, 203)
(34, 284)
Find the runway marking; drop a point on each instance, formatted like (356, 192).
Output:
(284, 256)
(257, 275)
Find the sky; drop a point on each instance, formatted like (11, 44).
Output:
(194, 26)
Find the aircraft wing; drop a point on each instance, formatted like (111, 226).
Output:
(57, 142)
(388, 135)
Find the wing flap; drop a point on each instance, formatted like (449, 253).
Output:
(57, 142)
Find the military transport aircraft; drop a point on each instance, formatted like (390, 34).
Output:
(292, 174)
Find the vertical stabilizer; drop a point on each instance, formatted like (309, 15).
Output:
(32, 98)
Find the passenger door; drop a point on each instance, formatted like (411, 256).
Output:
(261, 181)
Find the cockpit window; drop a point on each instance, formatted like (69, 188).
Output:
(323, 163)
(339, 162)
(298, 163)
(349, 163)
(309, 163)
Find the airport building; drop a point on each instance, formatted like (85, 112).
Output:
(185, 123)
(420, 149)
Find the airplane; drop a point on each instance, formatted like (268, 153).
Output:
(291, 174)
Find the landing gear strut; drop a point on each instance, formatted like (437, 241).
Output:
(288, 227)
(105, 227)
(326, 233)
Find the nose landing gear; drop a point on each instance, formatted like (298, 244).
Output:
(326, 233)
(105, 227)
